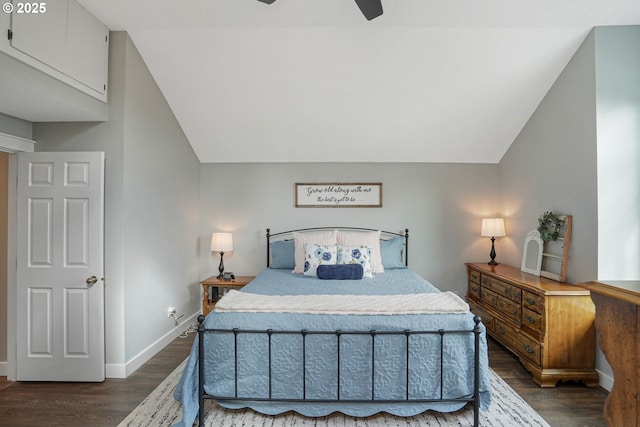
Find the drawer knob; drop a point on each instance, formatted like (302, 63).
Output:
(530, 301)
(529, 349)
(531, 319)
(514, 311)
(501, 330)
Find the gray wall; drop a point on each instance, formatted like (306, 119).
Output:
(552, 166)
(151, 204)
(16, 127)
(441, 204)
(618, 96)
(4, 205)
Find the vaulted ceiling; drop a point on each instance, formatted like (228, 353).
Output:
(314, 81)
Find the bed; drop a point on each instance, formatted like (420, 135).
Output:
(290, 341)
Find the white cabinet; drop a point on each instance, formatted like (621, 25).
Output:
(64, 41)
(87, 48)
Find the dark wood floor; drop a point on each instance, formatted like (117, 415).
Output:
(567, 405)
(108, 403)
(87, 404)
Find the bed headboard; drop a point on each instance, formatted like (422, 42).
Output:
(384, 235)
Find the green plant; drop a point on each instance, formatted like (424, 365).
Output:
(549, 225)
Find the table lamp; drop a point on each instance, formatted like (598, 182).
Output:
(221, 242)
(492, 227)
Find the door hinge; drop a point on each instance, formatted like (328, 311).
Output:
(10, 34)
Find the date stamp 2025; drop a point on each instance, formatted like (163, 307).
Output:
(25, 8)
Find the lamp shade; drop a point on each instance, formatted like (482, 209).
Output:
(221, 242)
(492, 227)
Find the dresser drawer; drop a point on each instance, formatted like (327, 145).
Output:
(532, 301)
(487, 318)
(502, 288)
(525, 346)
(529, 348)
(533, 321)
(474, 289)
(474, 276)
(505, 306)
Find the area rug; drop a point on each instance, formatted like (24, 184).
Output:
(507, 409)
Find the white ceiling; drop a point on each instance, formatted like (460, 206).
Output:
(313, 81)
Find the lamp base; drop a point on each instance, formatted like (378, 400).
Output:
(221, 267)
(492, 254)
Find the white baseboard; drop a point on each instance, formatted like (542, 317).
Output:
(605, 381)
(126, 369)
(4, 368)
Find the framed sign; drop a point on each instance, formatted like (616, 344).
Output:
(339, 195)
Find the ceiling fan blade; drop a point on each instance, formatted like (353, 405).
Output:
(369, 8)
(267, 1)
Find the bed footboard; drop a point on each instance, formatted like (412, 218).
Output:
(305, 334)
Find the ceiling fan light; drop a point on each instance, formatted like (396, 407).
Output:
(370, 8)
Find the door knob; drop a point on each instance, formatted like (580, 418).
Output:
(92, 280)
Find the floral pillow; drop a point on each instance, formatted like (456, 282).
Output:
(366, 238)
(315, 255)
(356, 255)
(327, 237)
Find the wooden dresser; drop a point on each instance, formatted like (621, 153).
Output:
(548, 325)
(618, 322)
(212, 290)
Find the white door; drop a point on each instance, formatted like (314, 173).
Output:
(60, 291)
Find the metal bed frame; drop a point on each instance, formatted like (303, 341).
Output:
(202, 331)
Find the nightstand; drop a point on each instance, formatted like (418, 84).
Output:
(212, 287)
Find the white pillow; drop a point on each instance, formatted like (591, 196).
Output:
(315, 255)
(356, 255)
(364, 238)
(325, 238)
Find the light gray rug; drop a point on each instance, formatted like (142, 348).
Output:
(507, 409)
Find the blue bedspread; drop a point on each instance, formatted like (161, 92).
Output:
(355, 368)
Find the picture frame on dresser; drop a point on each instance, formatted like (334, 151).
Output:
(532, 253)
(555, 256)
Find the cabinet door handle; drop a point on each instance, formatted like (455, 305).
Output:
(528, 348)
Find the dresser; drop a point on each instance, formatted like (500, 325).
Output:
(548, 325)
(618, 322)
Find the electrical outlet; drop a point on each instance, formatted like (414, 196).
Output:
(171, 311)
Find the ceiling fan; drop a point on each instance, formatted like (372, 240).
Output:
(370, 8)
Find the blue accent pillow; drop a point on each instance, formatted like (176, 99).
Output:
(340, 271)
(283, 254)
(391, 253)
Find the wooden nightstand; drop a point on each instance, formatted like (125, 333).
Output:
(212, 286)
